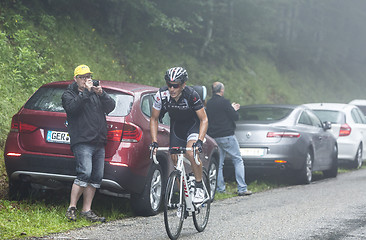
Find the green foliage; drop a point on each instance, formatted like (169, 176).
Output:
(172, 24)
(26, 63)
(48, 22)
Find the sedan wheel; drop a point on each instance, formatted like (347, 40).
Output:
(306, 173)
(357, 163)
(148, 202)
(333, 171)
(212, 175)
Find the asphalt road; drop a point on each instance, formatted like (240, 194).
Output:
(326, 209)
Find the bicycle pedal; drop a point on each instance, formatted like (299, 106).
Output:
(186, 214)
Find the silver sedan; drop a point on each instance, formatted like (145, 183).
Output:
(286, 137)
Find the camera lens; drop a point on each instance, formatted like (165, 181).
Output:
(95, 83)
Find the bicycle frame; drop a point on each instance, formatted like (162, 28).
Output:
(190, 207)
(178, 200)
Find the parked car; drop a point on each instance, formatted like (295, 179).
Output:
(286, 137)
(361, 104)
(348, 126)
(37, 151)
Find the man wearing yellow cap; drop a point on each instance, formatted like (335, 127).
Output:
(86, 105)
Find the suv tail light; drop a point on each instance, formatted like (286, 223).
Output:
(14, 124)
(21, 127)
(114, 135)
(283, 134)
(130, 133)
(345, 130)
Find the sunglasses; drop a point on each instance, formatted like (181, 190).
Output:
(85, 77)
(173, 85)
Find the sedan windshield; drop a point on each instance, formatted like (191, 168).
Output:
(268, 114)
(49, 99)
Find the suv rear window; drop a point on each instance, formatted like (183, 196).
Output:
(49, 99)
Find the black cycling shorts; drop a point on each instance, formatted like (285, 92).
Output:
(181, 133)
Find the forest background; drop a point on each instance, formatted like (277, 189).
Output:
(264, 51)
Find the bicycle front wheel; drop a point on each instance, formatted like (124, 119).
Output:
(174, 206)
(202, 213)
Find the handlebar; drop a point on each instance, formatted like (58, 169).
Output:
(153, 156)
(178, 149)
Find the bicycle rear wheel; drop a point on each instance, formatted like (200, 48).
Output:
(202, 213)
(174, 206)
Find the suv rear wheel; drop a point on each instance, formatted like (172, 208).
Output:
(19, 190)
(149, 201)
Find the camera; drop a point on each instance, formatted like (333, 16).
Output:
(95, 83)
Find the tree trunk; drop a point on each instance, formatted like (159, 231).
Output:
(210, 24)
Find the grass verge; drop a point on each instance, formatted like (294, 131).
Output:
(44, 214)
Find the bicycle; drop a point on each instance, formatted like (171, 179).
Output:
(179, 195)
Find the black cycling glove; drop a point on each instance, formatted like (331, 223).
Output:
(198, 145)
(153, 145)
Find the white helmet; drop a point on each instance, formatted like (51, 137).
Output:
(176, 75)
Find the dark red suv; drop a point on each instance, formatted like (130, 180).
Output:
(37, 151)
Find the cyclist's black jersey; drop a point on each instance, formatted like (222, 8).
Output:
(184, 122)
(182, 111)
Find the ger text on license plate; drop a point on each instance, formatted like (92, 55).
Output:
(252, 152)
(58, 137)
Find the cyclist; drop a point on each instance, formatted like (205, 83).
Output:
(188, 120)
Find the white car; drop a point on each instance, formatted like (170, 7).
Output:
(360, 103)
(348, 126)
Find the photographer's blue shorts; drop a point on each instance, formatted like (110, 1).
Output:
(89, 164)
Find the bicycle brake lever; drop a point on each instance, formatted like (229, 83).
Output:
(153, 156)
(195, 156)
(155, 159)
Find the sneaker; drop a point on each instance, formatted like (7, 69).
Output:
(91, 216)
(71, 213)
(199, 196)
(246, 193)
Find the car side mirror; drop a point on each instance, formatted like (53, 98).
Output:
(327, 125)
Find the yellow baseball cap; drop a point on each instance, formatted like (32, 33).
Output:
(81, 70)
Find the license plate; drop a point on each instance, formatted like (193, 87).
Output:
(253, 152)
(58, 137)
